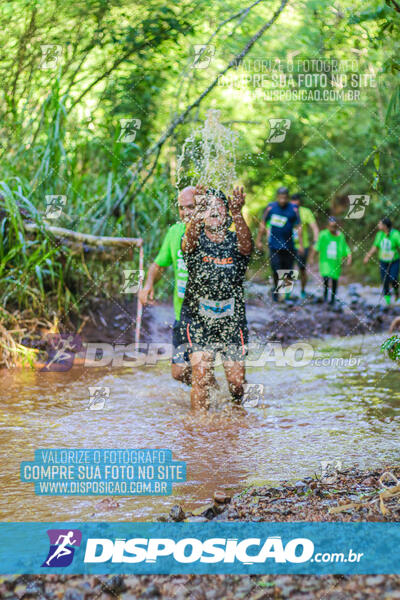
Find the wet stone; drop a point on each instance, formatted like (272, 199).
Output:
(73, 595)
(177, 513)
(152, 591)
(116, 584)
(131, 581)
(35, 587)
(245, 588)
(222, 517)
(375, 580)
(221, 497)
(209, 513)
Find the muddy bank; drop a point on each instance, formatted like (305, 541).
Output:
(336, 495)
(288, 323)
(285, 322)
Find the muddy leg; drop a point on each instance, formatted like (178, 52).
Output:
(182, 372)
(202, 373)
(235, 375)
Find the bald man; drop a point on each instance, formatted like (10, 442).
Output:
(171, 254)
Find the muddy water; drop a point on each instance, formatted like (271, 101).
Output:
(345, 412)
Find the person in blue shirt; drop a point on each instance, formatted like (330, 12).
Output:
(280, 219)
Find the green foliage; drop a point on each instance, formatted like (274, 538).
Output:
(392, 347)
(60, 127)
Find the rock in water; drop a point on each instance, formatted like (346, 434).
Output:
(221, 497)
(177, 513)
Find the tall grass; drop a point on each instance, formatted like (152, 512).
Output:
(37, 274)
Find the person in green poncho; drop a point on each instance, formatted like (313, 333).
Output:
(171, 254)
(387, 242)
(332, 248)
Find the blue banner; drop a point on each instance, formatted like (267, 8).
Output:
(168, 548)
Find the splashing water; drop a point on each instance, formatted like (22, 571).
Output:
(208, 156)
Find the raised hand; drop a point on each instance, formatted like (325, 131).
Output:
(236, 202)
(201, 202)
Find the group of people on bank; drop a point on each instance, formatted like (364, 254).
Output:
(210, 262)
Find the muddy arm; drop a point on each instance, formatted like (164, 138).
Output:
(243, 233)
(154, 274)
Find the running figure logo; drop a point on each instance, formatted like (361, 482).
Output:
(132, 281)
(50, 55)
(61, 351)
(129, 129)
(286, 277)
(62, 547)
(278, 130)
(98, 397)
(54, 206)
(203, 54)
(330, 470)
(357, 206)
(253, 393)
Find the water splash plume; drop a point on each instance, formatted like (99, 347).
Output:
(208, 156)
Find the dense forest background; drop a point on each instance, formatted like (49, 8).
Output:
(71, 72)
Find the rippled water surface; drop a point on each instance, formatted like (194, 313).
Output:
(309, 414)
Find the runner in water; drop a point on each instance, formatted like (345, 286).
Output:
(279, 221)
(213, 317)
(387, 240)
(332, 248)
(171, 254)
(308, 221)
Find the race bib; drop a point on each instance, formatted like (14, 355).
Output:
(278, 221)
(216, 309)
(331, 250)
(387, 253)
(181, 265)
(181, 287)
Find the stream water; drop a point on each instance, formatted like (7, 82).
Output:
(343, 412)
